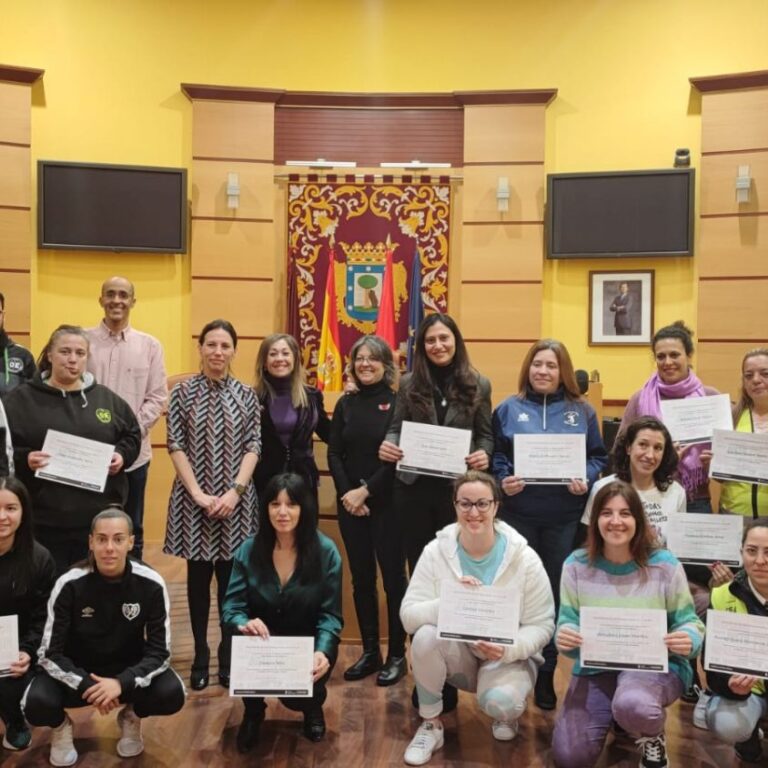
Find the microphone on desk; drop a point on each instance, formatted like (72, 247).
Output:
(582, 379)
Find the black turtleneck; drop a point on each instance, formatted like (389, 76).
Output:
(360, 422)
(441, 376)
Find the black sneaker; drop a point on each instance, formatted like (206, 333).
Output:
(751, 750)
(653, 750)
(17, 736)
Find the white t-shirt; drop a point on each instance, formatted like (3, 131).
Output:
(658, 505)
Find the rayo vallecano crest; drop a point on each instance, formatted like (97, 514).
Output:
(358, 302)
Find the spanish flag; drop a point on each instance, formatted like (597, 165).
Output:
(329, 367)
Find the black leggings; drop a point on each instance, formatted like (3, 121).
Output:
(199, 577)
(46, 699)
(11, 691)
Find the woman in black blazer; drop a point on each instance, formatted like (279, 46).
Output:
(291, 413)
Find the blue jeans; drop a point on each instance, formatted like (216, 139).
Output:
(552, 543)
(134, 506)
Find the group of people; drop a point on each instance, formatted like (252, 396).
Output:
(244, 507)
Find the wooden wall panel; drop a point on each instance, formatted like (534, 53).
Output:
(233, 248)
(17, 289)
(508, 252)
(526, 193)
(248, 305)
(503, 134)
(718, 182)
(506, 311)
(240, 130)
(500, 362)
(15, 176)
(734, 120)
(16, 238)
(733, 246)
(368, 136)
(718, 364)
(209, 185)
(159, 482)
(733, 309)
(15, 117)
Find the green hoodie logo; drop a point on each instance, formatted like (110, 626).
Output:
(104, 415)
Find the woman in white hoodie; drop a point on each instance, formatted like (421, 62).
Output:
(476, 550)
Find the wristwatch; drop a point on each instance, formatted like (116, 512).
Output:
(239, 488)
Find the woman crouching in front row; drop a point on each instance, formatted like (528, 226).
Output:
(477, 549)
(622, 568)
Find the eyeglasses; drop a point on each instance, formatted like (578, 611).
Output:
(481, 505)
(366, 360)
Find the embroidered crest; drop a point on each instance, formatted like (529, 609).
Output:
(87, 612)
(104, 415)
(131, 610)
(384, 406)
(15, 364)
(522, 417)
(571, 418)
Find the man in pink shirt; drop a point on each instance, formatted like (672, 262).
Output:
(130, 363)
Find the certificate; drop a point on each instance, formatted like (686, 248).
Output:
(469, 613)
(431, 450)
(550, 459)
(737, 643)
(624, 638)
(76, 461)
(739, 456)
(693, 419)
(277, 666)
(704, 539)
(9, 643)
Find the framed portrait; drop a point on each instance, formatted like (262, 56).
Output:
(620, 307)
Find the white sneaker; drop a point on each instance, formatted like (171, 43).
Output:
(700, 710)
(428, 738)
(63, 750)
(131, 743)
(503, 731)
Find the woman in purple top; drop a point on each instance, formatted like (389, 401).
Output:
(291, 413)
(674, 379)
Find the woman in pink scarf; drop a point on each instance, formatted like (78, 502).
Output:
(674, 379)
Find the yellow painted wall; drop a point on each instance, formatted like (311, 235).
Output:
(111, 94)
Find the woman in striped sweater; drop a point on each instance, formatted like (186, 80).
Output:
(621, 568)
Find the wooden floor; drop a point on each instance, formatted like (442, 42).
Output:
(367, 726)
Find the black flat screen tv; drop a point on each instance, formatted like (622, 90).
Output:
(90, 206)
(620, 214)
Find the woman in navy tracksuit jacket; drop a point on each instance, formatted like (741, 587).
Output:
(548, 516)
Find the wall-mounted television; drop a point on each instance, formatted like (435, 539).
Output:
(620, 214)
(90, 206)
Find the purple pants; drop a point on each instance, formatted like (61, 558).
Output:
(635, 700)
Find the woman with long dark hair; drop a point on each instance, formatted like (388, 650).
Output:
(27, 574)
(287, 581)
(548, 402)
(214, 442)
(291, 413)
(364, 498)
(623, 568)
(64, 396)
(443, 389)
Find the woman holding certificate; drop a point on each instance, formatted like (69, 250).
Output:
(442, 390)
(291, 413)
(749, 415)
(739, 701)
(214, 442)
(548, 402)
(364, 489)
(622, 570)
(477, 549)
(64, 397)
(674, 379)
(27, 574)
(287, 581)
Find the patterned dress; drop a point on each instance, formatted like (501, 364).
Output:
(215, 423)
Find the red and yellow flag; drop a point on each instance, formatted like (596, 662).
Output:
(329, 366)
